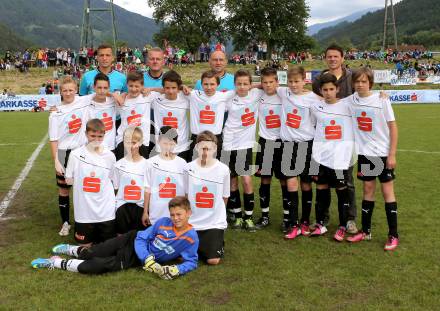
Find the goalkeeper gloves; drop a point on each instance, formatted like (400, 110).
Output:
(169, 272)
(151, 266)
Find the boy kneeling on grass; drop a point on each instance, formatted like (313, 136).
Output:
(167, 240)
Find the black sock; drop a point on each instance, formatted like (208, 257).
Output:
(343, 205)
(306, 202)
(64, 205)
(391, 210)
(235, 203)
(264, 192)
(285, 199)
(367, 213)
(249, 203)
(322, 204)
(292, 203)
(64, 264)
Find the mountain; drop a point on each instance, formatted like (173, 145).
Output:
(57, 23)
(313, 29)
(10, 40)
(416, 22)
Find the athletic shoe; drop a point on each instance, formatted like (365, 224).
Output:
(284, 227)
(340, 234)
(262, 223)
(62, 249)
(238, 224)
(391, 244)
(361, 236)
(64, 229)
(351, 227)
(249, 225)
(319, 230)
(44, 263)
(305, 229)
(293, 233)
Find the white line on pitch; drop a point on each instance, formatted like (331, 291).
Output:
(17, 184)
(17, 144)
(419, 151)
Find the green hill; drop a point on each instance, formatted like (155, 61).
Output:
(57, 23)
(417, 22)
(9, 40)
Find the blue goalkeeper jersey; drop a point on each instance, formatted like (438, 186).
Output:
(226, 83)
(150, 81)
(162, 241)
(118, 82)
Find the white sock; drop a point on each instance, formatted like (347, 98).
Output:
(72, 264)
(57, 262)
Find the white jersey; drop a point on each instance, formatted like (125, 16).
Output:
(240, 127)
(93, 193)
(269, 114)
(106, 112)
(135, 112)
(128, 178)
(370, 123)
(296, 117)
(206, 189)
(334, 139)
(207, 112)
(172, 113)
(164, 180)
(67, 125)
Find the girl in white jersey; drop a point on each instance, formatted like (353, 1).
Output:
(238, 142)
(332, 150)
(128, 177)
(66, 133)
(375, 131)
(208, 192)
(165, 177)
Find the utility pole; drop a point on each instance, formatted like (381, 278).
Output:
(387, 23)
(87, 29)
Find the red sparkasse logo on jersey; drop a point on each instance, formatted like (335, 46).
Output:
(170, 120)
(207, 116)
(132, 192)
(248, 118)
(108, 121)
(293, 120)
(204, 199)
(75, 124)
(134, 119)
(333, 131)
(92, 183)
(272, 120)
(365, 123)
(167, 190)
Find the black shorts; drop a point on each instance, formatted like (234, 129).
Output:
(144, 151)
(371, 167)
(129, 217)
(193, 146)
(63, 157)
(96, 232)
(268, 159)
(296, 157)
(211, 243)
(331, 177)
(238, 161)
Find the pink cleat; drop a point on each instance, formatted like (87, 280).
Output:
(340, 234)
(305, 229)
(319, 230)
(361, 236)
(391, 244)
(293, 233)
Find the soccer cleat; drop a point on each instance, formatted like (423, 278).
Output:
(64, 229)
(340, 234)
(293, 233)
(44, 263)
(319, 230)
(249, 225)
(361, 236)
(285, 227)
(305, 229)
(351, 227)
(62, 249)
(238, 224)
(391, 244)
(262, 223)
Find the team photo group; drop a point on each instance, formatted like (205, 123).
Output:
(157, 170)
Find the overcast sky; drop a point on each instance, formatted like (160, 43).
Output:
(320, 10)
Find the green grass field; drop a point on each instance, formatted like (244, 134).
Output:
(260, 270)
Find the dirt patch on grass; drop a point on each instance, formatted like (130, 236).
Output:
(220, 298)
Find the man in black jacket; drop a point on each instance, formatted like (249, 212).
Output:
(334, 57)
